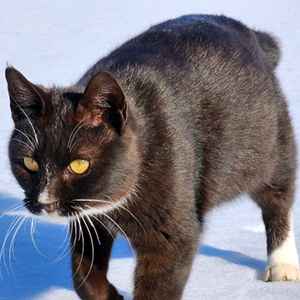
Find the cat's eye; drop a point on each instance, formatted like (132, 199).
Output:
(79, 166)
(30, 164)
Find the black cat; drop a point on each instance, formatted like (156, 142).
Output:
(183, 117)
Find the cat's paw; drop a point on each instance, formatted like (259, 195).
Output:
(282, 272)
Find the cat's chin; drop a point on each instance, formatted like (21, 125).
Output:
(54, 218)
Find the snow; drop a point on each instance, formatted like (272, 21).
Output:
(54, 42)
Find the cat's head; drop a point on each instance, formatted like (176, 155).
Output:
(72, 150)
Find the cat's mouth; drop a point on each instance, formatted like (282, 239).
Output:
(50, 208)
(77, 206)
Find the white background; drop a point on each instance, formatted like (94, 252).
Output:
(53, 43)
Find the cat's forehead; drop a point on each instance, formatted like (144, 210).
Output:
(61, 101)
(60, 108)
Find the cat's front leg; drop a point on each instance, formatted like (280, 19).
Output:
(163, 268)
(90, 257)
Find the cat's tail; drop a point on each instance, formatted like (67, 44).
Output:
(270, 47)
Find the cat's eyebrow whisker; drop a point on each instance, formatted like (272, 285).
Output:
(22, 142)
(75, 144)
(74, 132)
(30, 123)
(93, 253)
(115, 223)
(27, 136)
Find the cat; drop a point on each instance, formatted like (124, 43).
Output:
(182, 118)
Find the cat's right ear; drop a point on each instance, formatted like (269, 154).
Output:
(103, 100)
(26, 99)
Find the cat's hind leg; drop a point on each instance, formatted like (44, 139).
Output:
(276, 204)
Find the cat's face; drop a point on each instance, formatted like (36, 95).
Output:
(71, 151)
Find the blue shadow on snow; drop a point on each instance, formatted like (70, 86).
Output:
(32, 274)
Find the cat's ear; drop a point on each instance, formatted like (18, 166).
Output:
(25, 98)
(103, 100)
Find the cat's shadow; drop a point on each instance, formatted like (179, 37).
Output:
(25, 273)
(235, 257)
(32, 274)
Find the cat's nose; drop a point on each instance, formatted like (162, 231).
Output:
(50, 208)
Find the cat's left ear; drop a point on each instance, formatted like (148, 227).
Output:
(26, 99)
(103, 100)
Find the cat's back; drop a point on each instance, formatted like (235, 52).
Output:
(204, 88)
(182, 44)
(205, 31)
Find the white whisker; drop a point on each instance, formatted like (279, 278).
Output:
(66, 250)
(74, 132)
(137, 220)
(82, 245)
(93, 253)
(114, 203)
(9, 231)
(87, 216)
(75, 144)
(22, 110)
(12, 241)
(73, 232)
(32, 231)
(27, 136)
(115, 223)
(17, 140)
(102, 224)
(11, 209)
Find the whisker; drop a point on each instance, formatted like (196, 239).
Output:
(9, 231)
(73, 232)
(27, 136)
(82, 245)
(65, 238)
(102, 224)
(93, 253)
(12, 242)
(116, 224)
(87, 216)
(32, 231)
(11, 209)
(17, 140)
(126, 209)
(113, 203)
(26, 216)
(75, 228)
(74, 132)
(66, 250)
(5, 196)
(22, 110)
(75, 144)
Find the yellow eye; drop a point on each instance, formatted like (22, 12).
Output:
(30, 164)
(79, 166)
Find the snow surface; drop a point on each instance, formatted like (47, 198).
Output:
(54, 42)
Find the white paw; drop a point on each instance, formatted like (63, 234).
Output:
(282, 272)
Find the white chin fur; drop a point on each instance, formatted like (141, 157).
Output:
(53, 218)
(283, 262)
(98, 209)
